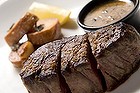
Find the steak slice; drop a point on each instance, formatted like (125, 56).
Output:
(117, 51)
(41, 72)
(76, 66)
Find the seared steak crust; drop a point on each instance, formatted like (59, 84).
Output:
(89, 63)
(117, 51)
(42, 65)
(76, 66)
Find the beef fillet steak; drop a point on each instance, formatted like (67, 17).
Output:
(117, 52)
(91, 63)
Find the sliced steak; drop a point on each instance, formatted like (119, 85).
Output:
(68, 65)
(41, 72)
(117, 51)
(77, 69)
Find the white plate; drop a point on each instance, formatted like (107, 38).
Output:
(10, 12)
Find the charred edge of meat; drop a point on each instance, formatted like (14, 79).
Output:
(63, 85)
(97, 71)
(106, 34)
(33, 75)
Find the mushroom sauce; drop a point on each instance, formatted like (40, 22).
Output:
(108, 13)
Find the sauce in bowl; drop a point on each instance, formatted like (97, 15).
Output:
(108, 13)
